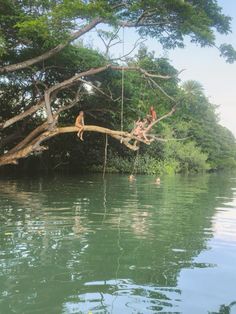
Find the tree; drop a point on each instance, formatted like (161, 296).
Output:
(202, 124)
(32, 32)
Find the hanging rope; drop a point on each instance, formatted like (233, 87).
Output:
(122, 84)
(135, 163)
(144, 94)
(105, 157)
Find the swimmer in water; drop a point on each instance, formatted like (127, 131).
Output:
(131, 178)
(158, 181)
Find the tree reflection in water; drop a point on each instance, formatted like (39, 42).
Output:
(103, 245)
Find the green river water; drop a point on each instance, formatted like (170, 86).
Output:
(72, 244)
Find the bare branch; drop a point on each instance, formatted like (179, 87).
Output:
(161, 89)
(144, 72)
(161, 118)
(32, 143)
(99, 90)
(43, 127)
(23, 115)
(136, 44)
(160, 139)
(51, 92)
(35, 144)
(110, 43)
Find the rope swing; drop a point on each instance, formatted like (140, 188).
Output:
(105, 157)
(122, 83)
(134, 171)
(122, 104)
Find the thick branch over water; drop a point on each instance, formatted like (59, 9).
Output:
(33, 142)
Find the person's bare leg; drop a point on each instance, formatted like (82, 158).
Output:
(81, 135)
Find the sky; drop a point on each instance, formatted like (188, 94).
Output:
(217, 77)
(201, 64)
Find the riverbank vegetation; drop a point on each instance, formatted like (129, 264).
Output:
(48, 75)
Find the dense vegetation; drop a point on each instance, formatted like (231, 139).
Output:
(196, 140)
(38, 53)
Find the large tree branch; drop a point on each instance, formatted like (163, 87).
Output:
(73, 80)
(52, 52)
(42, 128)
(35, 145)
(27, 63)
(161, 89)
(99, 90)
(22, 115)
(142, 71)
(93, 71)
(32, 143)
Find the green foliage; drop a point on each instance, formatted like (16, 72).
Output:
(144, 164)
(201, 120)
(2, 46)
(179, 158)
(228, 52)
(37, 25)
(189, 157)
(30, 28)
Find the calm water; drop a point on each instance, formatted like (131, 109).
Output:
(84, 245)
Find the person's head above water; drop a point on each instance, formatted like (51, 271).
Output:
(131, 177)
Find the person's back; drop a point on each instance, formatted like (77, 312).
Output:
(153, 113)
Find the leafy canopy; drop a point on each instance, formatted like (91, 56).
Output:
(38, 25)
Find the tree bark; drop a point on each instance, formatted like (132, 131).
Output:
(67, 83)
(32, 143)
(21, 116)
(35, 145)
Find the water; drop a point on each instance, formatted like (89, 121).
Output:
(84, 245)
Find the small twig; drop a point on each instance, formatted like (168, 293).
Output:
(98, 89)
(161, 89)
(160, 119)
(136, 44)
(160, 139)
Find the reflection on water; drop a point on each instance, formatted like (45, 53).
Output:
(75, 245)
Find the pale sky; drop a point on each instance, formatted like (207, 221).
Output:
(217, 76)
(201, 64)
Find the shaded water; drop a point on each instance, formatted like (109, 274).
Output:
(84, 245)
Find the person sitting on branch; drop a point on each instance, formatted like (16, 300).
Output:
(79, 123)
(140, 128)
(153, 114)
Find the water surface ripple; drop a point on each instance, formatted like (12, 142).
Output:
(85, 245)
